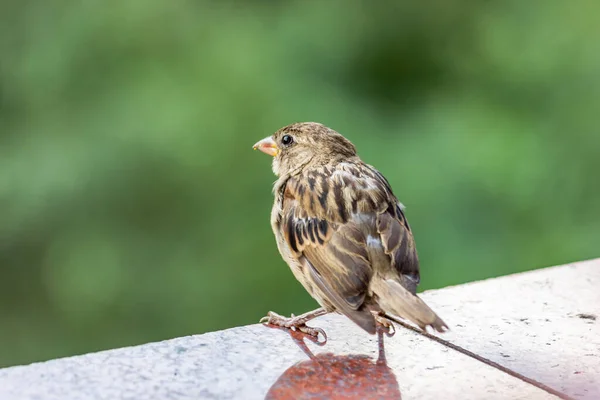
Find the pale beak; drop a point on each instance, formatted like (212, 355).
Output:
(267, 146)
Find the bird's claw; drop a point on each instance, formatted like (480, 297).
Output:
(314, 332)
(274, 319)
(386, 323)
(294, 324)
(265, 319)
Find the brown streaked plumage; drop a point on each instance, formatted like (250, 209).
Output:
(342, 231)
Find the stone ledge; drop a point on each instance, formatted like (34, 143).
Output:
(540, 324)
(544, 324)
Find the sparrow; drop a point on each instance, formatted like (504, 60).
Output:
(342, 232)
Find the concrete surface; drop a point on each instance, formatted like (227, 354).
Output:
(544, 324)
(540, 324)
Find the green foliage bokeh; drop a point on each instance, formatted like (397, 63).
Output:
(133, 209)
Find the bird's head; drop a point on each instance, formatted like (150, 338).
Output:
(303, 144)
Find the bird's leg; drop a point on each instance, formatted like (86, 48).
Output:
(381, 360)
(297, 323)
(384, 322)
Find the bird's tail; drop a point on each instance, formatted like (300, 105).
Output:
(393, 298)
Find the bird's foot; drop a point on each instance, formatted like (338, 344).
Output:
(385, 323)
(296, 323)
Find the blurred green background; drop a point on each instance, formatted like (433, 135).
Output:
(133, 208)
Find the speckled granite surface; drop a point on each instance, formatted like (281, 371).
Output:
(541, 324)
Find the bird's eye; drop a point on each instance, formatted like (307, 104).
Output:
(286, 140)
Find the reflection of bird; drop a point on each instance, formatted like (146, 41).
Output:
(330, 376)
(342, 231)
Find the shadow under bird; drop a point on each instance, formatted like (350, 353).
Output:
(342, 232)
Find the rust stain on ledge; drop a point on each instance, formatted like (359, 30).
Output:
(331, 376)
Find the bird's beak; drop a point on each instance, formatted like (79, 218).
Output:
(267, 146)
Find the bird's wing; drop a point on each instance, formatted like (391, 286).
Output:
(399, 244)
(323, 217)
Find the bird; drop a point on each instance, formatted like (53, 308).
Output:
(342, 232)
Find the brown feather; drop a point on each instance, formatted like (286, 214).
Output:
(342, 231)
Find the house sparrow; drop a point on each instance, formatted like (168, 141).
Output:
(342, 232)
